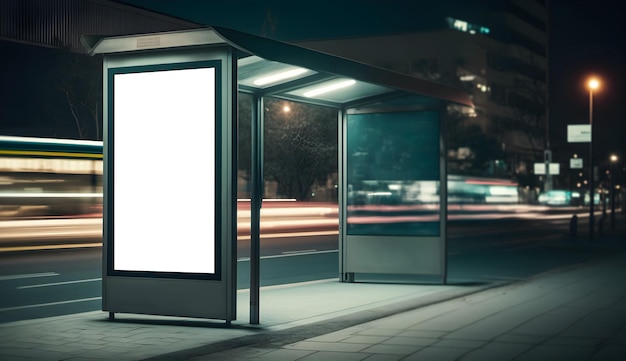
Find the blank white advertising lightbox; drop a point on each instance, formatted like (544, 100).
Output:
(164, 171)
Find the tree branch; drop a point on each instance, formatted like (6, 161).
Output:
(71, 106)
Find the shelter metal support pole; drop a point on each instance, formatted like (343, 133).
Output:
(256, 200)
(341, 194)
(443, 196)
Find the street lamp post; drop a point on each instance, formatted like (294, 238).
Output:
(593, 85)
(613, 161)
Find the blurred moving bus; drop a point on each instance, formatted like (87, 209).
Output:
(49, 177)
(63, 177)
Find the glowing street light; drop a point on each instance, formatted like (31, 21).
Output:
(593, 84)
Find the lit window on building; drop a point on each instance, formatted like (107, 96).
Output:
(483, 87)
(466, 27)
(459, 25)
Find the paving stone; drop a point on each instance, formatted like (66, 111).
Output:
(82, 347)
(551, 323)
(366, 339)
(118, 339)
(450, 342)
(381, 357)
(392, 349)
(574, 341)
(469, 315)
(327, 346)
(235, 354)
(334, 356)
(332, 337)
(413, 318)
(601, 323)
(375, 331)
(283, 355)
(496, 351)
(525, 339)
(410, 341)
(437, 354)
(422, 333)
(556, 353)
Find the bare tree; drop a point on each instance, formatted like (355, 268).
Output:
(479, 148)
(269, 25)
(300, 146)
(78, 78)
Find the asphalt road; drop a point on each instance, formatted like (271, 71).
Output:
(48, 283)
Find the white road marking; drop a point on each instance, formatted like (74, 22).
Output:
(49, 304)
(246, 237)
(302, 251)
(48, 247)
(60, 283)
(29, 275)
(305, 253)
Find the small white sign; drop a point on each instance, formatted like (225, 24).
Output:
(553, 168)
(579, 133)
(576, 163)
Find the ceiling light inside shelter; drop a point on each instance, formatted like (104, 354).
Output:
(329, 88)
(276, 77)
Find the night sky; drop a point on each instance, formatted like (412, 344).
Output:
(586, 37)
(589, 37)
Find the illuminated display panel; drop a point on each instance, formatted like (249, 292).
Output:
(393, 174)
(164, 170)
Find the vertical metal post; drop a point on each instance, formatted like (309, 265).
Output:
(612, 196)
(256, 200)
(548, 184)
(547, 159)
(443, 190)
(342, 189)
(591, 175)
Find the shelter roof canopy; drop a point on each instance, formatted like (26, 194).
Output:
(270, 67)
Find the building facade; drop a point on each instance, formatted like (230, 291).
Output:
(497, 52)
(61, 23)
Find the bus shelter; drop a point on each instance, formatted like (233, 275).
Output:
(170, 110)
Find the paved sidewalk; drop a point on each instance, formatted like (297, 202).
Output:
(577, 313)
(307, 309)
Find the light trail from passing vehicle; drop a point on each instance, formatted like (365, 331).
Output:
(281, 220)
